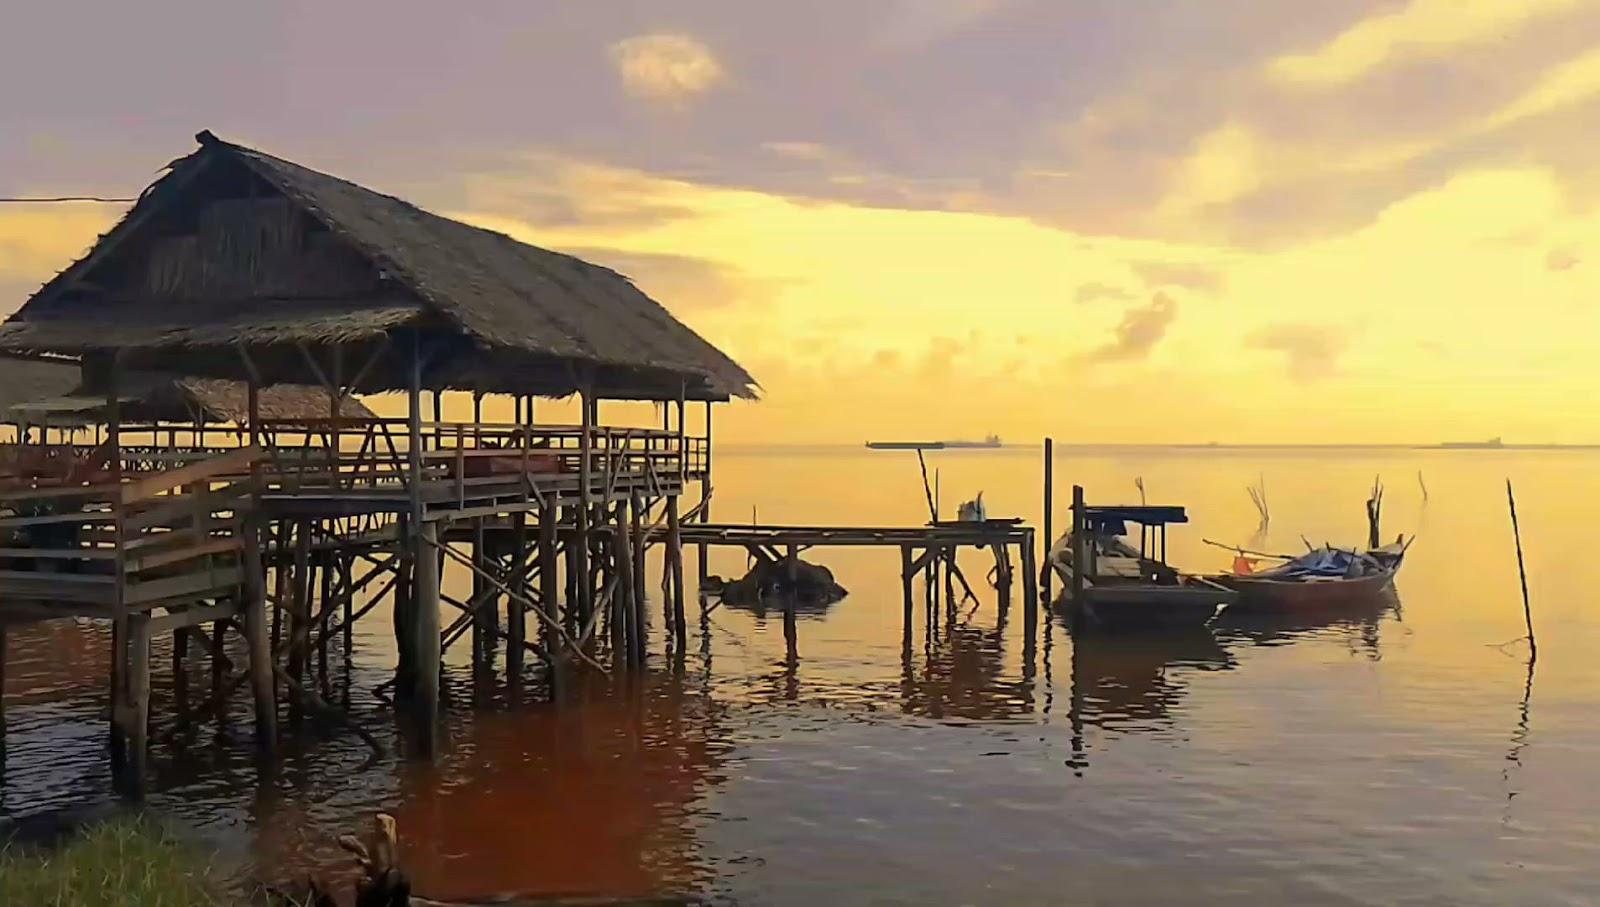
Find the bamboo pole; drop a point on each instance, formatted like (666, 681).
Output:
(1522, 575)
(791, 642)
(257, 640)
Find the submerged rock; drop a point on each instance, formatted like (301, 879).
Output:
(813, 585)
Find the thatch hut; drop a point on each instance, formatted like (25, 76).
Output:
(235, 248)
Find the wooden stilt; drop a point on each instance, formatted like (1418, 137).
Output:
(480, 595)
(426, 632)
(254, 606)
(1049, 505)
(674, 558)
(137, 708)
(1030, 586)
(639, 621)
(349, 604)
(119, 693)
(579, 547)
(300, 600)
(907, 592)
(324, 569)
(623, 614)
(180, 677)
(516, 617)
(549, 593)
(790, 631)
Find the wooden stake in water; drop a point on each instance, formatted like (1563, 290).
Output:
(1522, 574)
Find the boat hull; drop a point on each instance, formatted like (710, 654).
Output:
(1263, 594)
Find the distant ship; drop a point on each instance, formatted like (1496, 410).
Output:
(1491, 444)
(990, 441)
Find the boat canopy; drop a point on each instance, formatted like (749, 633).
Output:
(1113, 520)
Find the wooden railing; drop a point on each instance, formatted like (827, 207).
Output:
(153, 539)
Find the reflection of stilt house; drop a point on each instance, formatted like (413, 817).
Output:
(240, 266)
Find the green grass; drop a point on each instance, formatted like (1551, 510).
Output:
(131, 862)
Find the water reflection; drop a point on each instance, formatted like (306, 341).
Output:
(1122, 680)
(1358, 623)
(962, 674)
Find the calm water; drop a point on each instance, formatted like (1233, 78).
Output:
(1395, 756)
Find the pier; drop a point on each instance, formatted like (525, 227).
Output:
(202, 505)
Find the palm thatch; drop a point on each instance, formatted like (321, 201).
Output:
(235, 247)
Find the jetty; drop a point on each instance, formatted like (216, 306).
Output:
(192, 459)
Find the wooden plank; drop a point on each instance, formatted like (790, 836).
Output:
(220, 579)
(237, 461)
(226, 545)
(190, 617)
(70, 554)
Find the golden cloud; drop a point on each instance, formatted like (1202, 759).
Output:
(667, 68)
(1420, 29)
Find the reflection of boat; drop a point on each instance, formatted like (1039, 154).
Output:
(1115, 585)
(1326, 577)
(1360, 620)
(1491, 444)
(1133, 677)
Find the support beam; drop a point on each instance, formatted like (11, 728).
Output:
(426, 635)
(790, 631)
(674, 558)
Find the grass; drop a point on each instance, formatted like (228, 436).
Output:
(132, 862)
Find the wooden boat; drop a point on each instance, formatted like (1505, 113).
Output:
(1112, 585)
(1323, 578)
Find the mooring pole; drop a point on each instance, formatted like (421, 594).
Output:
(424, 603)
(790, 631)
(1049, 509)
(256, 634)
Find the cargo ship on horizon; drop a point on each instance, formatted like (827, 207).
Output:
(990, 441)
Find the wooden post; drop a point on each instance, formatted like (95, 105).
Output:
(906, 590)
(180, 678)
(790, 633)
(137, 712)
(480, 593)
(256, 635)
(623, 611)
(516, 618)
(1049, 506)
(579, 547)
(1079, 548)
(427, 634)
(300, 623)
(705, 505)
(674, 557)
(349, 604)
(1030, 586)
(1522, 574)
(119, 620)
(550, 593)
(640, 620)
(3, 630)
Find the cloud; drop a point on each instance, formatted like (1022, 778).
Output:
(1199, 277)
(1420, 29)
(1573, 82)
(682, 283)
(1139, 332)
(1562, 259)
(1096, 291)
(1311, 351)
(666, 68)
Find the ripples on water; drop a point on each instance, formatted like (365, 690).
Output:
(1388, 756)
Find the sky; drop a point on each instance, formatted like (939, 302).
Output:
(1106, 221)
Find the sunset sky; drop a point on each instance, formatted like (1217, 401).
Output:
(1167, 220)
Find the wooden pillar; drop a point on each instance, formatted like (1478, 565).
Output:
(1080, 554)
(790, 631)
(347, 563)
(481, 594)
(119, 620)
(623, 612)
(180, 677)
(674, 557)
(579, 547)
(907, 591)
(705, 504)
(324, 611)
(405, 674)
(137, 707)
(427, 634)
(257, 640)
(1049, 507)
(3, 629)
(1030, 585)
(549, 593)
(299, 628)
(636, 521)
(516, 616)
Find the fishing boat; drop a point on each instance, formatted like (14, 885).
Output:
(1326, 577)
(1322, 578)
(1112, 585)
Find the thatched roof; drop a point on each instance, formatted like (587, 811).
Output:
(35, 390)
(234, 246)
